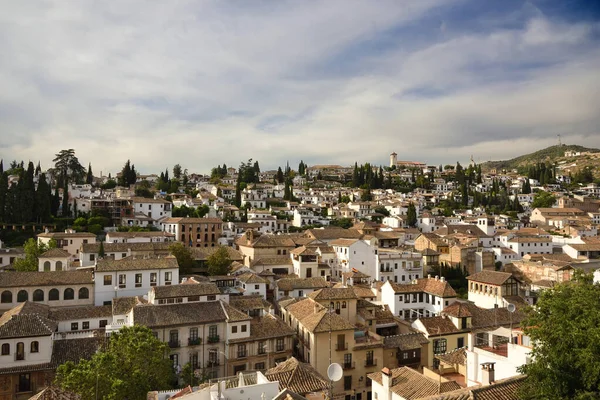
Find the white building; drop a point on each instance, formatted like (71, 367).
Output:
(421, 298)
(360, 254)
(139, 237)
(153, 208)
(488, 289)
(398, 266)
(69, 240)
(132, 277)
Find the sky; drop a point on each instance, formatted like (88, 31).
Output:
(201, 83)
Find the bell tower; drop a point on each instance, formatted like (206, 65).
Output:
(393, 159)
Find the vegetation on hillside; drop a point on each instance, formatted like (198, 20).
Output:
(550, 154)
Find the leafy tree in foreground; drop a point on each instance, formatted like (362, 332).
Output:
(32, 250)
(133, 363)
(184, 256)
(543, 200)
(564, 328)
(219, 262)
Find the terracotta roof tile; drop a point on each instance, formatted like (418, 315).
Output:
(154, 316)
(297, 376)
(50, 278)
(411, 384)
(136, 264)
(196, 289)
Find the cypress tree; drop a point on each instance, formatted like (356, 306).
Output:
(65, 200)
(3, 192)
(43, 200)
(55, 203)
(89, 179)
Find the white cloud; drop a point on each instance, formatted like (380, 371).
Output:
(201, 83)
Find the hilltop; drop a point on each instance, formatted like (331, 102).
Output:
(552, 154)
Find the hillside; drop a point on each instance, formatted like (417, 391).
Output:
(552, 154)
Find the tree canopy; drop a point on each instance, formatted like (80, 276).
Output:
(133, 363)
(219, 262)
(184, 256)
(564, 327)
(32, 250)
(543, 200)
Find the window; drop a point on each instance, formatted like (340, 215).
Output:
(262, 348)
(239, 368)
(122, 281)
(439, 346)
(174, 359)
(212, 331)
(38, 295)
(103, 323)
(84, 293)
(74, 326)
(24, 383)
(244, 328)
(193, 333)
(212, 297)
(343, 304)
(460, 342)
(20, 351)
(234, 329)
(6, 297)
(153, 278)
(241, 351)
(35, 347)
(107, 280)
(5, 349)
(69, 294)
(138, 280)
(53, 295)
(168, 276)
(348, 382)
(59, 266)
(22, 296)
(256, 287)
(259, 366)
(46, 266)
(92, 257)
(85, 325)
(280, 344)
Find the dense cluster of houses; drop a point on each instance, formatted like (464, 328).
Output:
(375, 298)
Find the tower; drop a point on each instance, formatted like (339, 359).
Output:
(393, 159)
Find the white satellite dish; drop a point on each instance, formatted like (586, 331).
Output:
(511, 307)
(335, 372)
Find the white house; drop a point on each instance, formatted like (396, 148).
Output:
(139, 237)
(360, 254)
(421, 298)
(488, 289)
(252, 284)
(69, 240)
(132, 277)
(153, 208)
(398, 266)
(296, 287)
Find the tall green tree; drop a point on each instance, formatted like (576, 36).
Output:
(543, 200)
(3, 192)
(184, 256)
(133, 363)
(279, 175)
(219, 262)
(32, 251)
(55, 203)
(68, 165)
(177, 171)
(564, 328)
(43, 200)
(411, 215)
(89, 179)
(65, 209)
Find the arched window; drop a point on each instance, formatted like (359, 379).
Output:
(5, 349)
(22, 296)
(84, 293)
(47, 266)
(38, 295)
(35, 347)
(477, 287)
(343, 304)
(69, 294)
(53, 295)
(59, 265)
(6, 297)
(20, 351)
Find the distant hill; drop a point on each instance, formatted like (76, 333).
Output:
(552, 154)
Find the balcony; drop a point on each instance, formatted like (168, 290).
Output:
(213, 339)
(341, 346)
(370, 362)
(349, 365)
(384, 269)
(174, 344)
(194, 341)
(213, 363)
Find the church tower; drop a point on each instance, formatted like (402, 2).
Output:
(393, 159)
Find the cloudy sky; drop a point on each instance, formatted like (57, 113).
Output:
(205, 82)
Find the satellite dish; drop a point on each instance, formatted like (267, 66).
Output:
(335, 372)
(511, 307)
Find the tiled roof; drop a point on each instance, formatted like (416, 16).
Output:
(83, 312)
(275, 260)
(179, 314)
(438, 325)
(343, 242)
(195, 289)
(363, 291)
(411, 384)
(247, 303)
(233, 314)
(303, 308)
(333, 294)
(55, 393)
(288, 284)
(50, 278)
(268, 241)
(489, 317)
(55, 253)
(266, 327)
(303, 250)
(433, 286)
(334, 233)
(324, 321)
(137, 264)
(155, 247)
(189, 220)
(491, 277)
(132, 235)
(25, 320)
(435, 239)
(456, 356)
(465, 229)
(503, 389)
(122, 305)
(457, 310)
(297, 376)
(76, 349)
(63, 235)
(249, 277)
(407, 341)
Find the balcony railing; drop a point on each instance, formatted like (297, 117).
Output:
(213, 339)
(349, 365)
(174, 344)
(213, 363)
(194, 341)
(370, 362)
(341, 346)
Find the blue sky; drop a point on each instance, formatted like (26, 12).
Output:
(205, 82)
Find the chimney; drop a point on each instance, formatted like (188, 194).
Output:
(428, 276)
(488, 374)
(442, 279)
(437, 278)
(386, 377)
